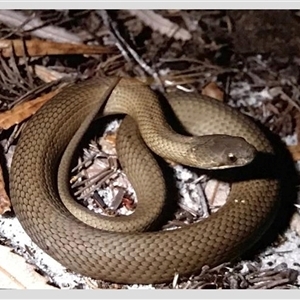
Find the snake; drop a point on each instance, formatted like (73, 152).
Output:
(214, 136)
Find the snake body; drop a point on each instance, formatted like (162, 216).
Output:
(135, 257)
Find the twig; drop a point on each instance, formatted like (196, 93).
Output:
(54, 33)
(125, 48)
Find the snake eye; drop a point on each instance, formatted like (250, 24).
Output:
(232, 157)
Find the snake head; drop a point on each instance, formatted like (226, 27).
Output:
(221, 152)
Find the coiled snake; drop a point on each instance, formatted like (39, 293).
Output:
(138, 257)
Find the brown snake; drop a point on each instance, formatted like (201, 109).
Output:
(138, 257)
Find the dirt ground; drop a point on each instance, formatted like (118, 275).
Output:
(248, 59)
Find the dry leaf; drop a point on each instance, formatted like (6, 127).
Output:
(161, 24)
(297, 129)
(37, 47)
(216, 192)
(47, 75)
(15, 273)
(108, 143)
(277, 91)
(295, 149)
(5, 204)
(295, 223)
(24, 110)
(295, 152)
(212, 90)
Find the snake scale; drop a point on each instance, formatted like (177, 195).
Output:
(138, 257)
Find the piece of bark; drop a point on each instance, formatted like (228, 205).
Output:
(24, 110)
(37, 47)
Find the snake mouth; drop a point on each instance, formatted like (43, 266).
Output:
(239, 163)
(220, 152)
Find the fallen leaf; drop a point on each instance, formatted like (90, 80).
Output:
(24, 110)
(297, 129)
(216, 192)
(37, 47)
(15, 273)
(47, 75)
(212, 90)
(108, 143)
(161, 24)
(128, 203)
(295, 149)
(295, 152)
(295, 223)
(5, 204)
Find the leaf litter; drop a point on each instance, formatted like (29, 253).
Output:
(267, 96)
